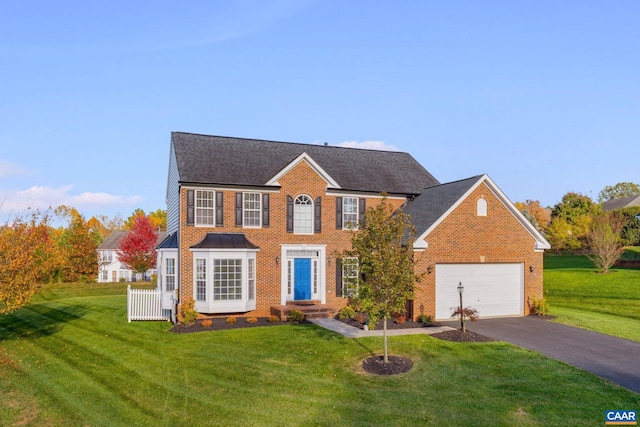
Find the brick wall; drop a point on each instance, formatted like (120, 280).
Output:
(464, 237)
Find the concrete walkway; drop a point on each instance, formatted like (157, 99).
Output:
(351, 332)
(615, 359)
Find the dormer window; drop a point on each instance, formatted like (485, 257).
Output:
(481, 207)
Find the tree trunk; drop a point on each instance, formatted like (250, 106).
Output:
(384, 334)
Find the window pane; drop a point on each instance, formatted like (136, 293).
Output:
(201, 280)
(303, 215)
(350, 212)
(227, 279)
(252, 209)
(205, 207)
(349, 276)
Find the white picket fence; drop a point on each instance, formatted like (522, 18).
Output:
(145, 304)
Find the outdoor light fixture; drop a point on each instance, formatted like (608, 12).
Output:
(277, 260)
(430, 269)
(329, 259)
(531, 268)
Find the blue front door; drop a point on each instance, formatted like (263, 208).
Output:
(302, 279)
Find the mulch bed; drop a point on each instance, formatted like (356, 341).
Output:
(391, 324)
(458, 336)
(396, 365)
(221, 324)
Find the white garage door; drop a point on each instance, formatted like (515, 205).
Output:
(492, 289)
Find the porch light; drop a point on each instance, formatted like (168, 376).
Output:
(430, 269)
(329, 257)
(531, 268)
(277, 259)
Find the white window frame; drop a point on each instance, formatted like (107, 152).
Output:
(303, 215)
(481, 207)
(250, 222)
(247, 272)
(205, 208)
(200, 280)
(170, 274)
(349, 224)
(350, 276)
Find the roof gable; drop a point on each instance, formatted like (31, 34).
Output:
(623, 202)
(434, 204)
(218, 160)
(112, 242)
(304, 157)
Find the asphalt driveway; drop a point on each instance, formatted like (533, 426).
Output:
(615, 359)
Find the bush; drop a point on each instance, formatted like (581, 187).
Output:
(207, 323)
(231, 320)
(295, 316)
(187, 313)
(122, 280)
(400, 320)
(425, 319)
(539, 306)
(251, 319)
(273, 318)
(346, 313)
(359, 317)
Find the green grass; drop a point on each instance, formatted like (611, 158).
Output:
(70, 358)
(579, 295)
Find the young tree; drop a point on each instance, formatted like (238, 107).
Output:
(621, 189)
(604, 240)
(574, 212)
(77, 245)
(137, 248)
(383, 247)
(24, 252)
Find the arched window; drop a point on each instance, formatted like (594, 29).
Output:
(481, 207)
(303, 215)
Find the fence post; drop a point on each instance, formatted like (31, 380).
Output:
(129, 303)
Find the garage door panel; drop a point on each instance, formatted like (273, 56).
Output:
(492, 289)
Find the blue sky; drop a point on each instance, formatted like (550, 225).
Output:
(543, 96)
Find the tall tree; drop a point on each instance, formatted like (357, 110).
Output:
(538, 216)
(570, 221)
(158, 219)
(604, 240)
(621, 189)
(383, 247)
(77, 244)
(137, 247)
(24, 252)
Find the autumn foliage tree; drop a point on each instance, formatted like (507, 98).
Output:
(384, 250)
(77, 245)
(137, 247)
(25, 246)
(537, 215)
(604, 240)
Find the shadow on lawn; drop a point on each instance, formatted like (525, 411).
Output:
(38, 320)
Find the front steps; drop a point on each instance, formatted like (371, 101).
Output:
(312, 309)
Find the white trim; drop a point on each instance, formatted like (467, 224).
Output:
(304, 157)
(322, 271)
(540, 244)
(312, 204)
(364, 195)
(245, 210)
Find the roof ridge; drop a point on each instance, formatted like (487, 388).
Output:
(289, 142)
(475, 177)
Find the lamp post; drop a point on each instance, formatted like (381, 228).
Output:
(460, 291)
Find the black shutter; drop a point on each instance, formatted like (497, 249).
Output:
(338, 213)
(339, 277)
(238, 209)
(317, 215)
(361, 211)
(265, 210)
(219, 208)
(289, 214)
(190, 204)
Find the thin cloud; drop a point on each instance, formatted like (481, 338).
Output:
(43, 197)
(369, 145)
(8, 168)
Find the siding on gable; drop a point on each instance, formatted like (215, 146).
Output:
(173, 194)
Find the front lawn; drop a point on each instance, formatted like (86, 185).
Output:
(70, 358)
(581, 296)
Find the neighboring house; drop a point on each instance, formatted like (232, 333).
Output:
(110, 269)
(621, 203)
(257, 225)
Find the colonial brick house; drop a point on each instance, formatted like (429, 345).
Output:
(254, 227)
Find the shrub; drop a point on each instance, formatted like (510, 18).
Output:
(359, 317)
(539, 306)
(466, 313)
(122, 280)
(187, 313)
(207, 323)
(400, 320)
(295, 316)
(346, 313)
(231, 320)
(425, 319)
(273, 318)
(251, 319)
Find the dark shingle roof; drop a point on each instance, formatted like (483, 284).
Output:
(224, 241)
(203, 159)
(433, 202)
(623, 202)
(169, 242)
(112, 242)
